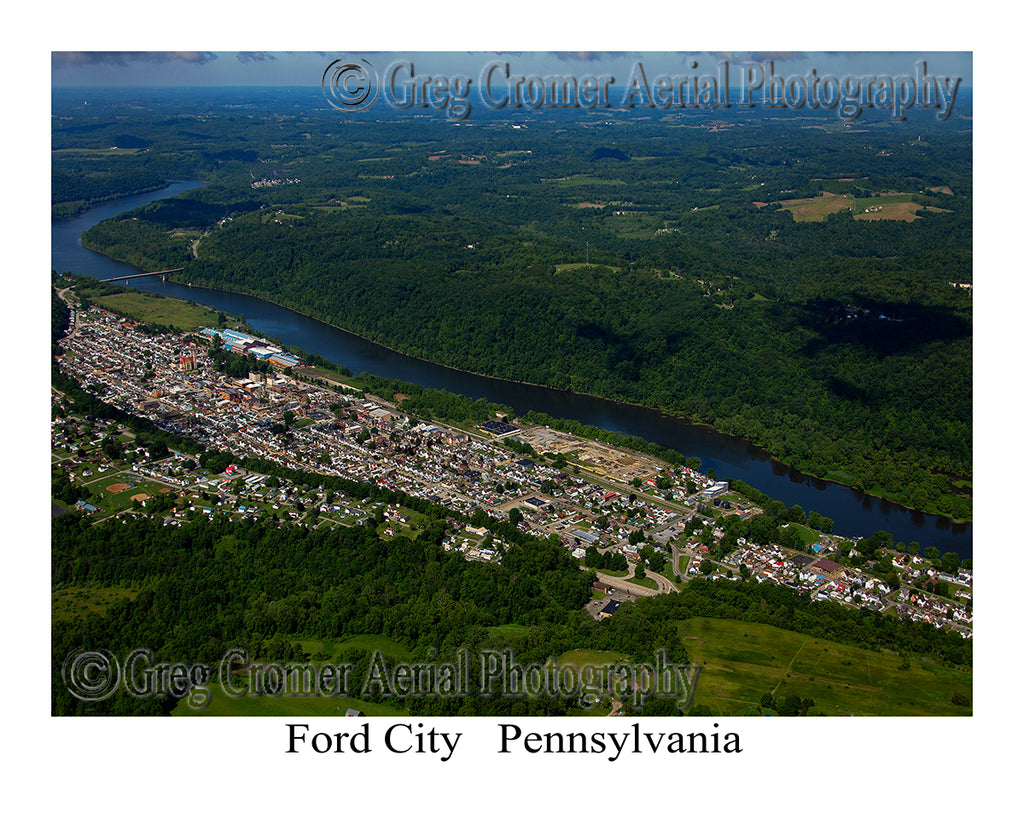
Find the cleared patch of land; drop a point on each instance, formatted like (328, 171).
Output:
(583, 657)
(898, 206)
(223, 705)
(75, 602)
(375, 642)
(895, 205)
(581, 179)
(170, 312)
(816, 209)
(740, 662)
(562, 268)
(94, 152)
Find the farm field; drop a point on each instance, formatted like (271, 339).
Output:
(816, 209)
(900, 206)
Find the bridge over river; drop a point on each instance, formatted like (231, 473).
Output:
(125, 279)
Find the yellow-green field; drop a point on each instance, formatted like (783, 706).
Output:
(142, 306)
(898, 206)
(743, 661)
(222, 705)
(74, 602)
(561, 268)
(740, 662)
(94, 153)
(816, 209)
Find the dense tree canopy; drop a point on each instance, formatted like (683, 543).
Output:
(839, 345)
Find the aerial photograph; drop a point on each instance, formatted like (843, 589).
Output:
(408, 386)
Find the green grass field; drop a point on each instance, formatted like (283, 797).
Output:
(74, 602)
(584, 656)
(324, 652)
(740, 662)
(509, 630)
(807, 536)
(743, 661)
(116, 501)
(95, 153)
(580, 179)
(816, 209)
(144, 307)
(374, 642)
(561, 268)
(223, 705)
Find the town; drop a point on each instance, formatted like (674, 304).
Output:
(644, 526)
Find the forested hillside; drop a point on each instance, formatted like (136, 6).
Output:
(792, 285)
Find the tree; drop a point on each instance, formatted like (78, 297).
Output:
(950, 562)
(515, 516)
(794, 706)
(820, 522)
(112, 448)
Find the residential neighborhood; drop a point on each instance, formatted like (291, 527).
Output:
(663, 524)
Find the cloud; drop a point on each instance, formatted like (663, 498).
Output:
(586, 56)
(780, 56)
(255, 56)
(757, 56)
(76, 59)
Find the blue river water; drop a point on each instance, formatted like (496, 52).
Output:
(854, 513)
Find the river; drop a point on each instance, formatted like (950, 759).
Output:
(854, 513)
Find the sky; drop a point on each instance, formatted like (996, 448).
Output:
(291, 68)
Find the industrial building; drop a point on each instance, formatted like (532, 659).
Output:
(244, 344)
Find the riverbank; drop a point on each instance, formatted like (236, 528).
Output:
(794, 474)
(852, 511)
(85, 205)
